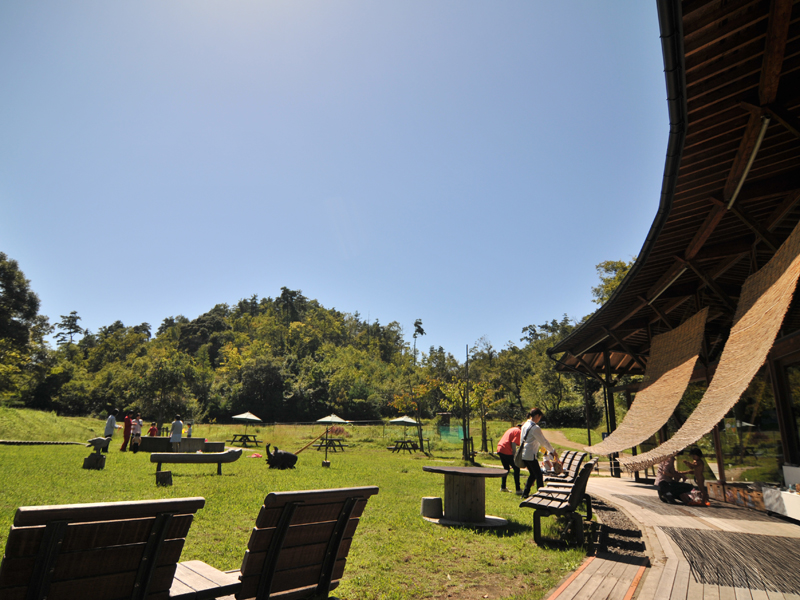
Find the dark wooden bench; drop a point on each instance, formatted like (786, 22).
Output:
(562, 501)
(105, 551)
(298, 548)
(571, 465)
(196, 458)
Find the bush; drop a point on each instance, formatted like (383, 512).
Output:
(574, 416)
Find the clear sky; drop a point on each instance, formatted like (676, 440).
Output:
(465, 163)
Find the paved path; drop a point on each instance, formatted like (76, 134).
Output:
(720, 552)
(554, 436)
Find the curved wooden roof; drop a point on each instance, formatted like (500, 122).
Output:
(732, 70)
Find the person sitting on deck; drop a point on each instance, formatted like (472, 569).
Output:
(697, 469)
(669, 483)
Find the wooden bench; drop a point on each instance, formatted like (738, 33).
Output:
(558, 501)
(105, 551)
(571, 465)
(197, 458)
(298, 548)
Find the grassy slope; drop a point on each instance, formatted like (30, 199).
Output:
(395, 554)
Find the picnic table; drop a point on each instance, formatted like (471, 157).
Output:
(244, 439)
(400, 445)
(465, 496)
(334, 444)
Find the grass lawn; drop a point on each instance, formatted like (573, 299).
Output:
(395, 553)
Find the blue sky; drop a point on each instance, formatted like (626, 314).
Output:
(466, 163)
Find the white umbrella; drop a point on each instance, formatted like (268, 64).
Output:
(248, 418)
(405, 421)
(331, 419)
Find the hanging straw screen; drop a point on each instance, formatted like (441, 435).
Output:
(765, 298)
(672, 359)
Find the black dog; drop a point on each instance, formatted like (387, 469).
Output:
(280, 459)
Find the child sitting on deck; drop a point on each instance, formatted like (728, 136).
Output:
(698, 466)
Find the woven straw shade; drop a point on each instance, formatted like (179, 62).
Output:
(669, 370)
(765, 298)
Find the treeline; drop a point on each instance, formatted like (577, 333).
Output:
(285, 359)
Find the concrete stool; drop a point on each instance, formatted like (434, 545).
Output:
(431, 507)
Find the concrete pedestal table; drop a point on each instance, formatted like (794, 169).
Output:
(465, 496)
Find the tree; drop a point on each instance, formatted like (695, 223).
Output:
(418, 330)
(69, 328)
(611, 273)
(18, 304)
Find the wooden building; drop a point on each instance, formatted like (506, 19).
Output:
(730, 198)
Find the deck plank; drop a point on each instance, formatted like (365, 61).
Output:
(681, 586)
(577, 584)
(605, 585)
(590, 586)
(710, 592)
(619, 591)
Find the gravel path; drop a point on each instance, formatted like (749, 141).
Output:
(618, 534)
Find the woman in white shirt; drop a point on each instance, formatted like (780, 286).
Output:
(532, 437)
(175, 433)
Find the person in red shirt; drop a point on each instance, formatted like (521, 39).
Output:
(505, 448)
(126, 433)
(153, 431)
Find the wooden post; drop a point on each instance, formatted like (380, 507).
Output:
(718, 452)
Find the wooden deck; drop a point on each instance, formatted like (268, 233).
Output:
(694, 573)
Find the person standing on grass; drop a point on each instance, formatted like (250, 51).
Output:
(505, 448)
(153, 431)
(136, 432)
(532, 438)
(175, 433)
(126, 432)
(111, 426)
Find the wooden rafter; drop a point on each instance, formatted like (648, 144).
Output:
(635, 356)
(709, 281)
(762, 232)
(706, 229)
(588, 367)
(780, 16)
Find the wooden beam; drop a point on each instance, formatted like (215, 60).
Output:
(782, 211)
(789, 121)
(734, 247)
(706, 229)
(780, 15)
(662, 316)
(587, 366)
(746, 147)
(638, 359)
(709, 281)
(756, 227)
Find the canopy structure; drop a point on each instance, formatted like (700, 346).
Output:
(331, 419)
(406, 422)
(247, 418)
(730, 197)
(766, 296)
(672, 359)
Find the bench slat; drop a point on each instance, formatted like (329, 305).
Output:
(290, 579)
(23, 541)
(301, 535)
(310, 513)
(72, 565)
(105, 511)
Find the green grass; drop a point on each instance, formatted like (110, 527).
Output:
(395, 553)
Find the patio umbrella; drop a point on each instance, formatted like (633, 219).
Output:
(331, 419)
(248, 418)
(405, 422)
